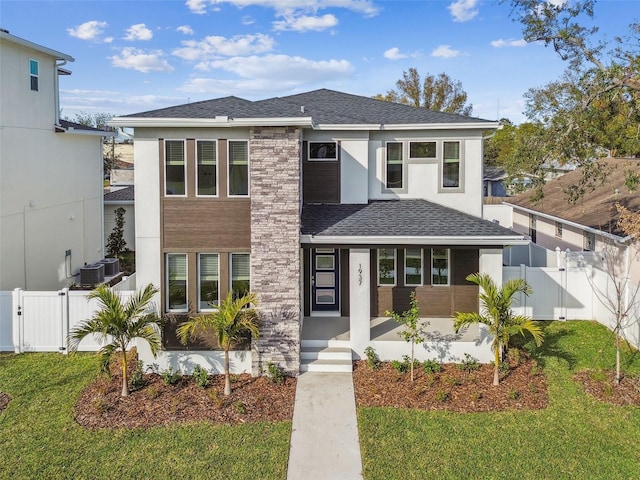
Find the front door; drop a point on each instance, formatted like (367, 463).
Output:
(325, 288)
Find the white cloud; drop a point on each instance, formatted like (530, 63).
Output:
(305, 23)
(445, 51)
(284, 68)
(109, 101)
(138, 32)
(186, 29)
(394, 54)
(88, 31)
(508, 43)
(247, 20)
(107, 39)
(214, 47)
(145, 62)
(366, 7)
(463, 10)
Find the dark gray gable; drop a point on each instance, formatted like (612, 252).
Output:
(402, 218)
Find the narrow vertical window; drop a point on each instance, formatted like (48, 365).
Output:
(451, 164)
(413, 267)
(386, 266)
(207, 167)
(176, 282)
(238, 168)
(174, 167)
(394, 165)
(532, 227)
(589, 241)
(240, 271)
(208, 281)
(34, 71)
(558, 230)
(440, 266)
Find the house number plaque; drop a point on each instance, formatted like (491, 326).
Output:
(359, 274)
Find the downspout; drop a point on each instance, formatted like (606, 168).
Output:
(56, 86)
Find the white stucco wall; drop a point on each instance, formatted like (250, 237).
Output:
(502, 213)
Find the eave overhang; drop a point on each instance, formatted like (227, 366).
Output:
(406, 240)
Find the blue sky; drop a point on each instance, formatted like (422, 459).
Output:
(132, 56)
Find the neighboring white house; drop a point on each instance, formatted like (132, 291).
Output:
(51, 213)
(114, 198)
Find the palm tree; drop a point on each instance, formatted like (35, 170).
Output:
(496, 314)
(119, 323)
(232, 319)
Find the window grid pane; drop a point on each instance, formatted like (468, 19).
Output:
(238, 168)
(440, 267)
(209, 281)
(422, 149)
(386, 266)
(177, 282)
(394, 165)
(207, 178)
(413, 266)
(451, 165)
(174, 167)
(240, 274)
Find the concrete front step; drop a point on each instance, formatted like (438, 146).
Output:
(325, 359)
(309, 365)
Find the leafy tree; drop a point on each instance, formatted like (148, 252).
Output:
(412, 331)
(440, 93)
(116, 244)
(118, 324)
(499, 148)
(230, 322)
(496, 314)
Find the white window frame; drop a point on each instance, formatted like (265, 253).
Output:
(421, 268)
(448, 250)
(166, 278)
(37, 75)
(231, 269)
(323, 159)
(229, 168)
(460, 166)
(403, 188)
(184, 150)
(395, 267)
(208, 309)
(215, 144)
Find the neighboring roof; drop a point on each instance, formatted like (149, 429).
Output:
(123, 195)
(401, 220)
(493, 174)
(78, 127)
(596, 209)
(315, 108)
(5, 35)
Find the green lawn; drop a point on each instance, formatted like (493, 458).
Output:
(39, 438)
(575, 437)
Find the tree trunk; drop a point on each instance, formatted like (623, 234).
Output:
(227, 380)
(617, 358)
(496, 367)
(412, 361)
(125, 377)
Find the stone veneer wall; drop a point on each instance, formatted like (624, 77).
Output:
(274, 154)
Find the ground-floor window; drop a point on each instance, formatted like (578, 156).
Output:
(413, 266)
(386, 266)
(208, 281)
(176, 275)
(440, 266)
(240, 274)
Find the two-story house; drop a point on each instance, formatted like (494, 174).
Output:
(51, 220)
(331, 207)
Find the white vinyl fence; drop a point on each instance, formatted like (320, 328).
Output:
(574, 293)
(34, 321)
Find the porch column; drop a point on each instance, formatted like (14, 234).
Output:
(359, 299)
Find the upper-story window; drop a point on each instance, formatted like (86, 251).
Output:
(422, 150)
(34, 71)
(394, 165)
(451, 164)
(207, 168)
(238, 168)
(323, 151)
(174, 167)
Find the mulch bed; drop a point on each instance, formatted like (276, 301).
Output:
(252, 399)
(602, 385)
(523, 388)
(4, 401)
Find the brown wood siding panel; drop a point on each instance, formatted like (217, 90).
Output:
(344, 283)
(435, 301)
(206, 224)
(320, 180)
(385, 300)
(465, 262)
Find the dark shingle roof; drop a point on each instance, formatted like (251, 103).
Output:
(388, 218)
(596, 208)
(126, 194)
(323, 106)
(66, 124)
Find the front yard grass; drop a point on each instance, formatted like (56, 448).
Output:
(576, 436)
(40, 439)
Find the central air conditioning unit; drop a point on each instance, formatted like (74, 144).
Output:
(92, 274)
(111, 266)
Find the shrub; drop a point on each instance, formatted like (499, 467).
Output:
(400, 367)
(240, 407)
(373, 361)
(200, 376)
(442, 396)
(514, 356)
(171, 376)
(514, 394)
(468, 364)
(431, 366)
(275, 373)
(137, 377)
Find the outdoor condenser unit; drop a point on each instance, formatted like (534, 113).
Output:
(92, 274)
(111, 266)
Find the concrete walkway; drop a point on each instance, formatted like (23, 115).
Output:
(324, 437)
